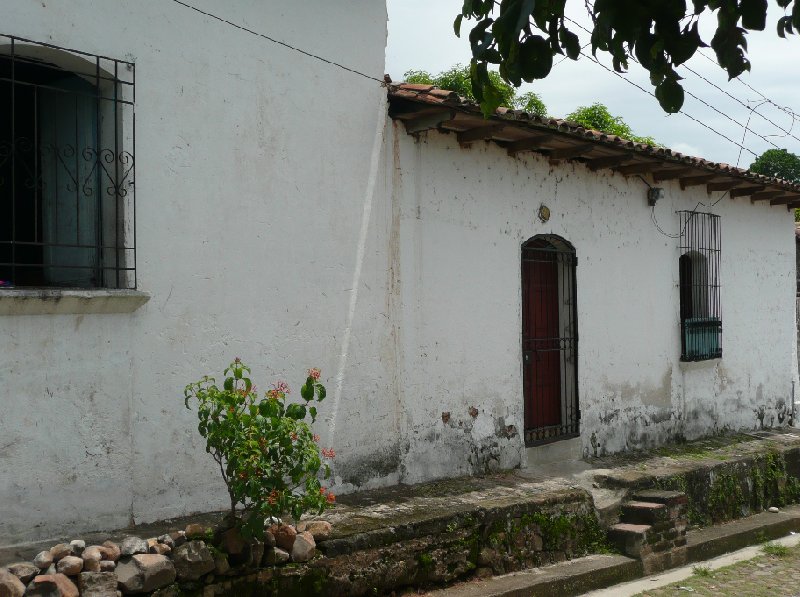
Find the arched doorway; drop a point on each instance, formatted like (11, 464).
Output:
(549, 340)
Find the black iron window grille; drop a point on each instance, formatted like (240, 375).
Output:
(66, 168)
(701, 321)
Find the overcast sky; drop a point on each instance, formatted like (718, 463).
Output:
(421, 37)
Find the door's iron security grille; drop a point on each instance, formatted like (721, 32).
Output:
(699, 263)
(67, 213)
(549, 340)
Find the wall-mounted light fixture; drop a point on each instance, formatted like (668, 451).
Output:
(543, 213)
(654, 195)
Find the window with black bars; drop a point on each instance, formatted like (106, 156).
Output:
(701, 319)
(66, 168)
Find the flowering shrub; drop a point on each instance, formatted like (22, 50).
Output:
(268, 456)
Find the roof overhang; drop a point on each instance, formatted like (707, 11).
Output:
(424, 108)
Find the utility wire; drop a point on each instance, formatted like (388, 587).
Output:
(739, 145)
(280, 43)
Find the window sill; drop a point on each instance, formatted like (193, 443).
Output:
(695, 365)
(56, 301)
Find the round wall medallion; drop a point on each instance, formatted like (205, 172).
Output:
(544, 213)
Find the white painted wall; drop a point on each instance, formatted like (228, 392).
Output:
(252, 164)
(464, 214)
(282, 218)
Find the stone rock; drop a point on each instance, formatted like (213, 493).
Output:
(192, 560)
(130, 546)
(51, 585)
(167, 540)
(23, 571)
(59, 551)
(70, 565)
(51, 570)
(43, 560)
(232, 542)
(195, 531)
(275, 557)
(178, 538)
(143, 573)
(77, 546)
(256, 554)
(110, 551)
(319, 529)
(284, 536)
(10, 585)
(303, 547)
(161, 549)
(774, 510)
(93, 552)
(221, 565)
(269, 539)
(97, 584)
(107, 566)
(91, 565)
(484, 573)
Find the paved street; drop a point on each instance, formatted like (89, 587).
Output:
(768, 575)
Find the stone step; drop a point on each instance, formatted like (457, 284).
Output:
(661, 496)
(651, 513)
(630, 538)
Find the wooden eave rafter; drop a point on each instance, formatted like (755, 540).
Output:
(671, 173)
(692, 181)
(767, 195)
(534, 143)
(519, 134)
(745, 191)
(480, 133)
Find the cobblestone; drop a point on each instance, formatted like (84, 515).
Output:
(764, 576)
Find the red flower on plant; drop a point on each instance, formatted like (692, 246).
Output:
(294, 436)
(273, 497)
(314, 373)
(331, 498)
(282, 387)
(316, 437)
(237, 360)
(328, 452)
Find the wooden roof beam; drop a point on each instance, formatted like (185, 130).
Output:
(746, 191)
(427, 121)
(608, 161)
(766, 195)
(726, 185)
(785, 200)
(693, 181)
(671, 173)
(638, 168)
(575, 151)
(480, 133)
(528, 144)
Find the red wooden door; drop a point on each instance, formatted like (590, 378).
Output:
(540, 339)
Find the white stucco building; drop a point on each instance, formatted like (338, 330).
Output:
(468, 287)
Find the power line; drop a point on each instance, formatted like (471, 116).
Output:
(280, 43)
(741, 147)
(752, 109)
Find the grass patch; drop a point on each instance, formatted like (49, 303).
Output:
(775, 549)
(703, 571)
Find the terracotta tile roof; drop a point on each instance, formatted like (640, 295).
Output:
(418, 103)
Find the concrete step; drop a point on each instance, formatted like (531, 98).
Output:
(650, 513)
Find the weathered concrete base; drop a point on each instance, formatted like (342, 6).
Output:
(562, 580)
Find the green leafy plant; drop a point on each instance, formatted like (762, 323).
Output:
(775, 549)
(521, 37)
(598, 117)
(268, 455)
(458, 79)
(703, 571)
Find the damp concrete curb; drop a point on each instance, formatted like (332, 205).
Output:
(595, 572)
